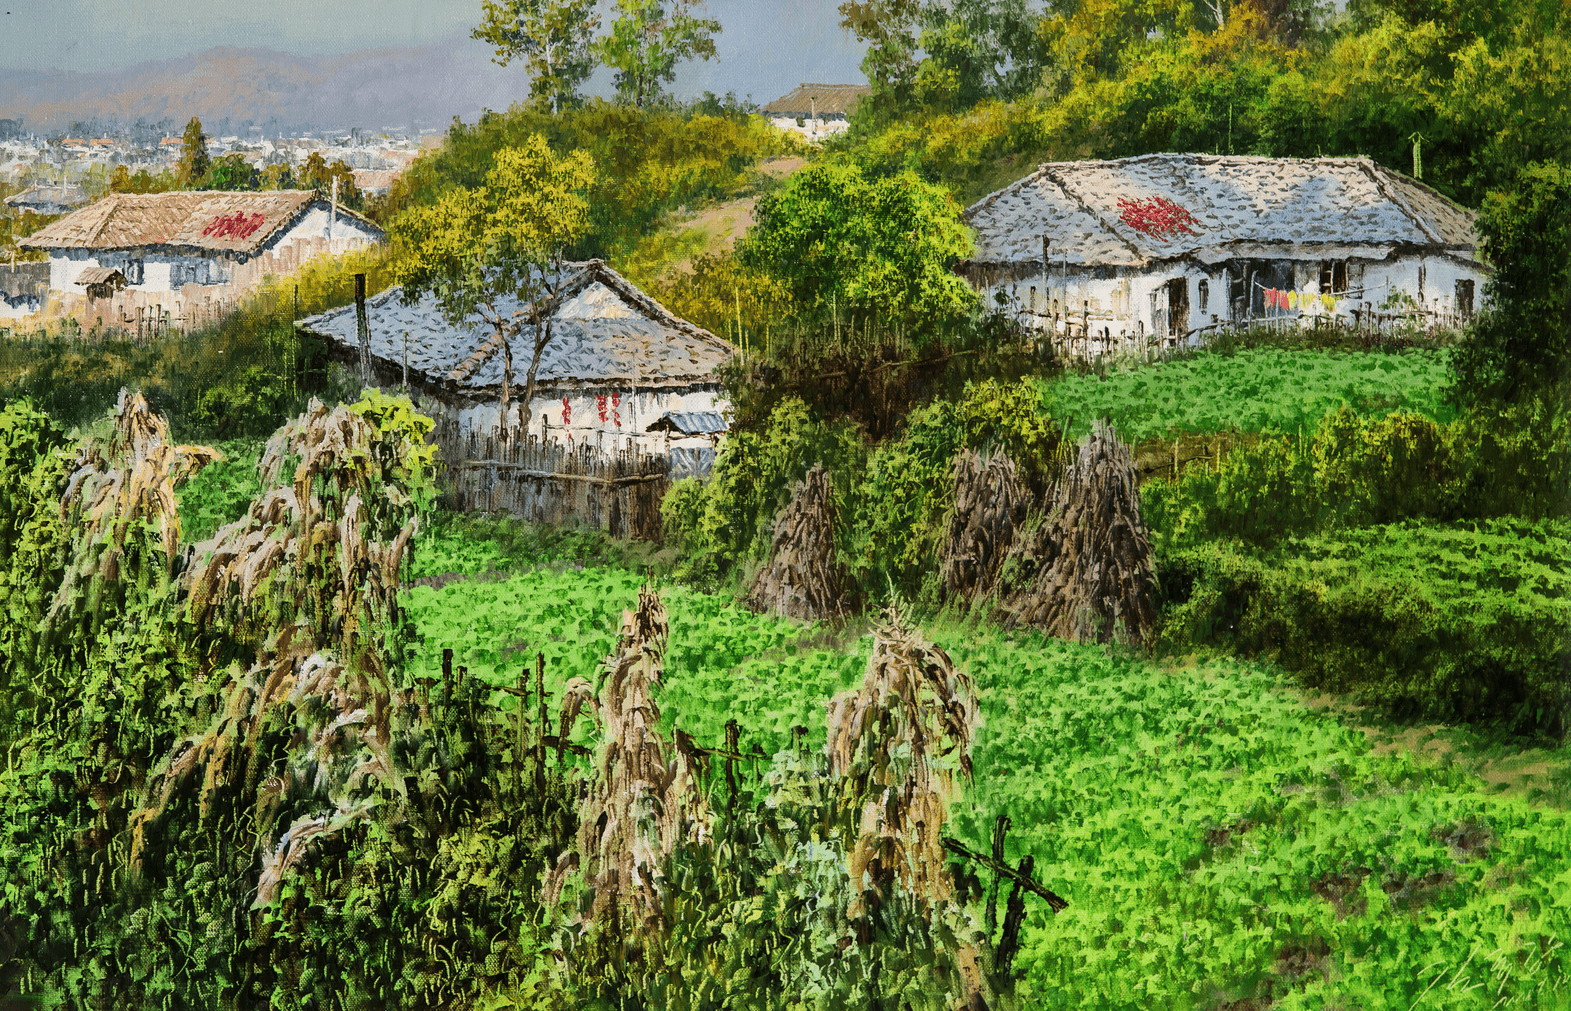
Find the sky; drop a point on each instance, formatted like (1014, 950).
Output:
(765, 48)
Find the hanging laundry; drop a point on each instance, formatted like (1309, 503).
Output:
(1270, 298)
(1328, 303)
(1292, 298)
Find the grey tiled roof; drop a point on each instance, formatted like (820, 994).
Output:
(604, 331)
(1269, 206)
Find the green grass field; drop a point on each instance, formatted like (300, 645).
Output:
(1251, 390)
(1216, 838)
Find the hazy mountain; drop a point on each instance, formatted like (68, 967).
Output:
(373, 89)
(764, 51)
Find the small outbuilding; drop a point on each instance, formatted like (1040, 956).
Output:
(1158, 248)
(621, 372)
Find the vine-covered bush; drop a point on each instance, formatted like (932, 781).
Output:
(1463, 621)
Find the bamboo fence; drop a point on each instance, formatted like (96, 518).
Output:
(552, 482)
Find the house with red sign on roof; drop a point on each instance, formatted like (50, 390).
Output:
(1158, 249)
(189, 242)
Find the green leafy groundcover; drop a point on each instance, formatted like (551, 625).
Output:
(1215, 840)
(1251, 390)
(1465, 620)
(716, 651)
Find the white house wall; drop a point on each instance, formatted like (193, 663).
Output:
(582, 424)
(316, 224)
(1128, 304)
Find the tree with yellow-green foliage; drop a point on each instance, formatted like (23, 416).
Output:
(193, 153)
(501, 240)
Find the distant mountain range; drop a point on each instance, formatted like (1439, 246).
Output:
(765, 50)
(231, 88)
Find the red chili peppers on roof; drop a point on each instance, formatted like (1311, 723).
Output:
(1157, 217)
(238, 225)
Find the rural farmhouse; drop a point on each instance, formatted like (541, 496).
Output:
(47, 199)
(621, 371)
(816, 110)
(1113, 254)
(181, 248)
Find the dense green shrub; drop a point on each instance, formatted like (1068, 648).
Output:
(753, 478)
(1351, 471)
(1521, 342)
(1448, 621)
(221, 492)
(892, 498)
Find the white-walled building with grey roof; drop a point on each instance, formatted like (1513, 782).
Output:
(1114, 254)
(621, 371)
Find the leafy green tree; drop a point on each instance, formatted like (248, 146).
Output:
(882, 246)
(278, 176)
(475, 247)
(1522, 341)
(647, 40)
(552, 37)
(193, 154)
(230, 172)
(978, 49)
(318, 175)
(890, 28)
(123, 180)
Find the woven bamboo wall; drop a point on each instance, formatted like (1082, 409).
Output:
(553, 483)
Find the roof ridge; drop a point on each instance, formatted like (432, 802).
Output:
(987, 201)
(1077, 198)
(1370, 166)
(584, 274)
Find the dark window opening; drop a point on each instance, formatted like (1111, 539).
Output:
(1333, 277)
(1205, 294)
(1464, 295)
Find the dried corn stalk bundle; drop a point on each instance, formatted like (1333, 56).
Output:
(116, 489)
(990, 505)
(895, 745)
(645, 800)
(305, 551)
(1083, 570)
(344, 754)
(802, 579)
(312, 543)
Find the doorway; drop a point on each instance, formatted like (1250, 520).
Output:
(1178, 307)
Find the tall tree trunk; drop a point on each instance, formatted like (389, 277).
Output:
(507, 375)
(542, 338)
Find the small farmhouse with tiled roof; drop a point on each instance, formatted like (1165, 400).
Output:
(816, 110)
(47, 199)
(621, 371)
(163, 242)
(1161, 246)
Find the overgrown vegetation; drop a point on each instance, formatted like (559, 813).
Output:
(240, 378)
(282, 732)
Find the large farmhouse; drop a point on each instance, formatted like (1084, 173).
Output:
(621, 371)
(1115, 253)
(162, 242)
